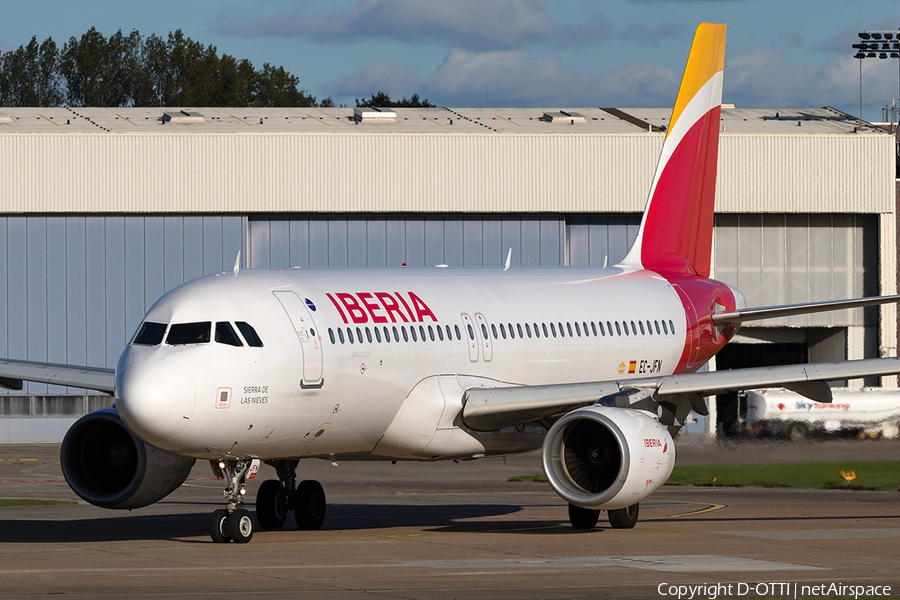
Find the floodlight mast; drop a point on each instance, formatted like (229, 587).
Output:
(881, 45)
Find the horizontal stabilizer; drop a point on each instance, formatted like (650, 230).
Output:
(789, 310)
(91, 378)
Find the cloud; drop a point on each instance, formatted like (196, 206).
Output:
(511, 78)
(392, 78)
(652, 35)
(839, 43)
(756, 77)
(763, 77)
(471, 24)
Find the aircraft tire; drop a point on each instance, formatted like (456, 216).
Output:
(797, 432)
(583, 518)
(309, 504)
(218, 527)
(240, 525)
(624, 518)
(271, 504)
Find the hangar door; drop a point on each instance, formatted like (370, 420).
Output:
(456, 240)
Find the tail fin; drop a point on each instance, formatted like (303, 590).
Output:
(676, 231)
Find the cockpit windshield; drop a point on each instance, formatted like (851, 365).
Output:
(249, 334)
(225, 334)
(181, 334)
(150, 334)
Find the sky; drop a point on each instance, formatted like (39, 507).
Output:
(514, 53)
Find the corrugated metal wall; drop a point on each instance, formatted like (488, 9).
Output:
(806, 174)
(418, 241)
(477, 240)
(74, 289)
(783, 259)
(430, 173)
(599, 240)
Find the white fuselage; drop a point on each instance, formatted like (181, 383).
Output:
(311, 391)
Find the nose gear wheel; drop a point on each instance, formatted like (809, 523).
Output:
(232, 523)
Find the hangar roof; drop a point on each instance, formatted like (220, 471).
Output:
(779, 121)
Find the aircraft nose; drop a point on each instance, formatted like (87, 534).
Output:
(155, 398)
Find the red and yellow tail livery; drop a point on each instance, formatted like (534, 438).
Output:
(676, 230)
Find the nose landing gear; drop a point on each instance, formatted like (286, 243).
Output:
(233, 523)
(276, 498)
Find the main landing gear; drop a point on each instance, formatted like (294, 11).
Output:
(276, 498)
(233, 523)
(620, 518)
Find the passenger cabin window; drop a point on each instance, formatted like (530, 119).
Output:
(225, 334)
(182, 334)
(150, 334)
(249, 334)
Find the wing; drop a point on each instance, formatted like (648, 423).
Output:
(672, 397)
(14, 372)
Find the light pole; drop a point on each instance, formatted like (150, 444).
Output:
(881, 45)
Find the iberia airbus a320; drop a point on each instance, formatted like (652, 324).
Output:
(595, 366)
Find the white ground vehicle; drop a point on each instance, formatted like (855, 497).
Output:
(782, 412)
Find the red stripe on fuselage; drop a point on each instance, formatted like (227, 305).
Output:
(677, 234)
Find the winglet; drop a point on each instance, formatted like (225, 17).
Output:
(676, 231)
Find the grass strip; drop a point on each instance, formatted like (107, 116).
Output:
(32, 502)
(540, 478)
(858, 475)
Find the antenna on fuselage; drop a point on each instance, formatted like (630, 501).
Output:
(237, 263)
(605, 260)
(508, 258)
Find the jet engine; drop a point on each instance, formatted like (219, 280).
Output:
(607, 458)
(105, 464)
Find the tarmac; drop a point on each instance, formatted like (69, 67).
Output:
(447, 530)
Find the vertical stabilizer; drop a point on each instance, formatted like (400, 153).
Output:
(676, 230)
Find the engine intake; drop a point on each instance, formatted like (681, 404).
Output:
(602, 457)
(106, 465)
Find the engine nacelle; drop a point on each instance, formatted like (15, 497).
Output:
(602, 457)
(105, 464)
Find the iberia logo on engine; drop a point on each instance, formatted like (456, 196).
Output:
(655, 443)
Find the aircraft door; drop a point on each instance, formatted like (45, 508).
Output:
(471, 336)
(307, 334)
(485, 335)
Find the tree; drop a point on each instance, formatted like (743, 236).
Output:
(130, 70)
(382, 99)
(28, 75)
(277, 87)
(82, 66)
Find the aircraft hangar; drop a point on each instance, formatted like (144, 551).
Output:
(102, 210)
